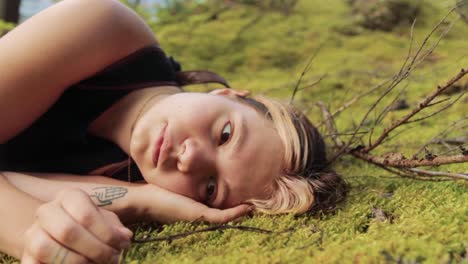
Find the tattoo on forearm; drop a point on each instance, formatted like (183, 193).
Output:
(105, 195)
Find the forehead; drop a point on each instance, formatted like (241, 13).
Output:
(251, 170)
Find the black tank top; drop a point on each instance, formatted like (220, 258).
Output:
(58, 142)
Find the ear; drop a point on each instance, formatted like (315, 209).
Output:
(230, 92)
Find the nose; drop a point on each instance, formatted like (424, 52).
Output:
(195, 157)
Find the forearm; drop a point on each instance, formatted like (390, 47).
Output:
(113, 195)
(17, 210)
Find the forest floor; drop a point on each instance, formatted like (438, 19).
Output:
(265, 51)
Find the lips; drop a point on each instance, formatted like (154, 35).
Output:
(158, 145)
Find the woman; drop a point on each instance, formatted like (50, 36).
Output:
(98, 90)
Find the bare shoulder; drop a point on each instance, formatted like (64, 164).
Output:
(58, 47)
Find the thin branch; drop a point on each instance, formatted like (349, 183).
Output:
(210, 229)
(408, 55)
(429, 52)
(445, 107)
(313, 83)
(439, 173)
(346, 134)
(306, 68)
(396, 160)
(413, 65)
(459, 148)
(402, 74)
(309, 82)
(438, 102)
(441, 134)
(426, 39)
(408, 174)
(386, 110)
(355, 99)
(330, 124)
(451, 141)
(421, 106)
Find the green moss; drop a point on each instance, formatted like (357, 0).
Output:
(5, 27)
(266, 52)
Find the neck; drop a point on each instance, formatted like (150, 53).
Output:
(117, 122)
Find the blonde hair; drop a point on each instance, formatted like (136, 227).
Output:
(303, 186)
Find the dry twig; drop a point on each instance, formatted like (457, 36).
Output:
(210, 229)
(420, 107)
(396, 163)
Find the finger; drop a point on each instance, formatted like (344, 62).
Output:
(40, 247)
(28, 259)
(218, 216)
(61, 227)
(82, 209)
(112, 218)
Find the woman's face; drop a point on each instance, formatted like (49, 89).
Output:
(211, 148)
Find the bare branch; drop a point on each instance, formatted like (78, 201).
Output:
(404, 72)
(445, 107)
(386, 110)
(439, 173)
(208, 229)
(398, 160)
(421, 106)
(330, 124)
(355, 99)
(441, 134)
(306, 68)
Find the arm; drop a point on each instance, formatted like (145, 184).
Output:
(113, 195)
(38, 230)
(58, 47)
(133, 202)
(17, 213)
(44, 216)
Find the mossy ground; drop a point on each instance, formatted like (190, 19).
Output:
(266, 52)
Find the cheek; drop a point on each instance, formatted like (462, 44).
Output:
(174, 182)
(190, 120)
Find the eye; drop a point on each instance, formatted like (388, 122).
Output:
(210, 189)
(225, 134)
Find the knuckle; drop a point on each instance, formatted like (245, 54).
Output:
(43, 210)
(40, 248)
(68, 233)
(85, 217)
(108, 237)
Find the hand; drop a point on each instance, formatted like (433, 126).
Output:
(165, 206)
(71, 229)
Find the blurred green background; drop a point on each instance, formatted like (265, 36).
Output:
(263, 46)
